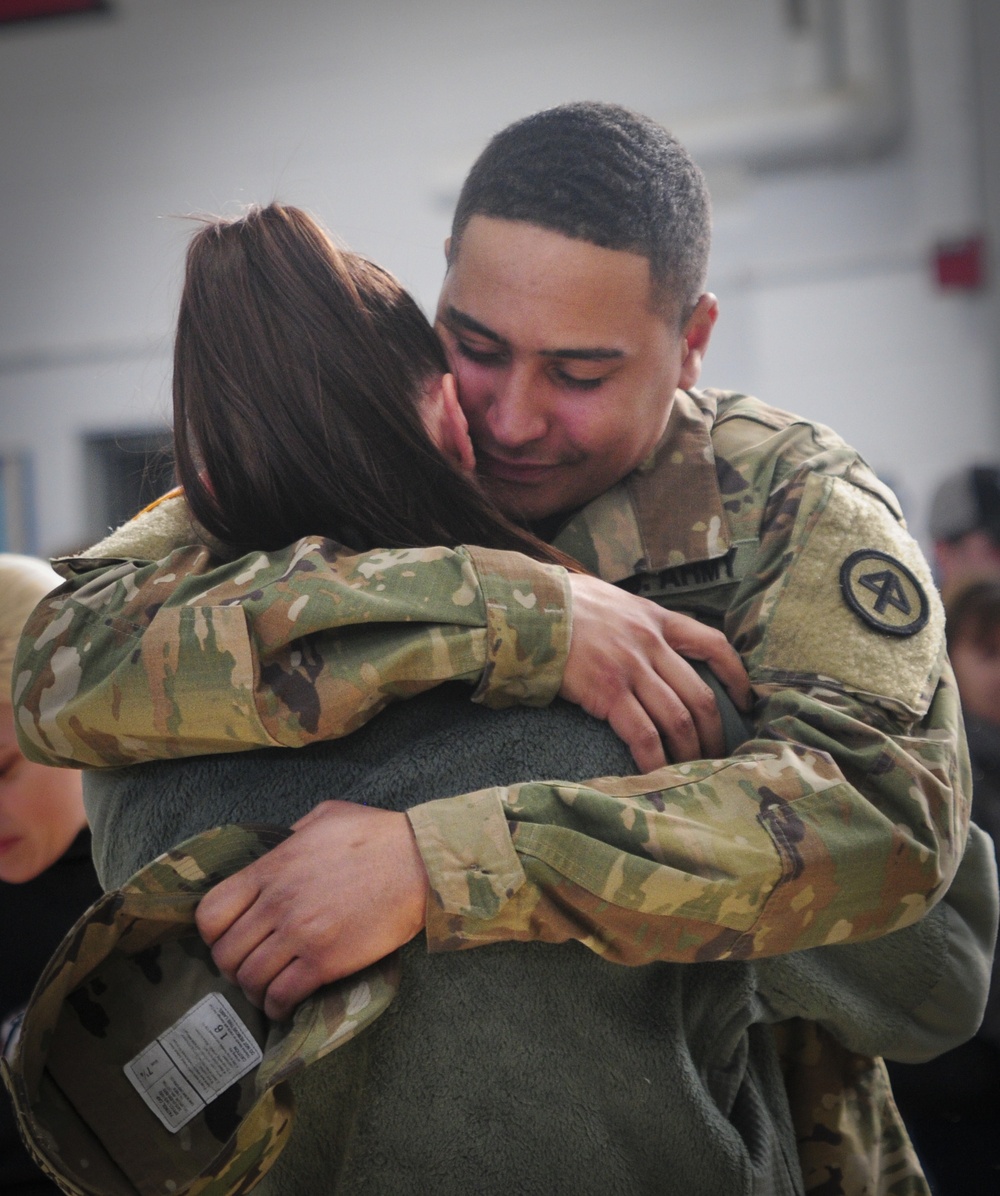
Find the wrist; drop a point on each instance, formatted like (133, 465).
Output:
(414, 882)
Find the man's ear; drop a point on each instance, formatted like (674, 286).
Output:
(697, 334)
(447, 249)
(446, 424)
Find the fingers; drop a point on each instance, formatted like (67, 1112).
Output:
(683, 708)
(347, 888)
(254, 948)
(289, 988)
(659, 720)
(257, 970)
(636, 729)
(697, 642)
(223, 904)
(324, 809)
(626, 665)
(244, 947)
(269, 972)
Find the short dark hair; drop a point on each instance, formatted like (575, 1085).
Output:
(299, 369)
(599, 173)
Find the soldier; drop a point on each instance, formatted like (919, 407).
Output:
(574, 316)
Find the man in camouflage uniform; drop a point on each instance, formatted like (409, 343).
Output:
(842, 819)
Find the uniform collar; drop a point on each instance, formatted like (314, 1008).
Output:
(667, 512)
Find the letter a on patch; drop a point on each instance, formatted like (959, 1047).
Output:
(883, 592)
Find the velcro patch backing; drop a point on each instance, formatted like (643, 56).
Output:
(814, 629)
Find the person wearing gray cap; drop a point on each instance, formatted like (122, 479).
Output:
(965, 525)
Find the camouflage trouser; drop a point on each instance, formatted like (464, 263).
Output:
(851, 1137)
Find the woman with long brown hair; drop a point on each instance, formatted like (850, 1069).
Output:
(312, 397)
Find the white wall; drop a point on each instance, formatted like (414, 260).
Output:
(369, 111)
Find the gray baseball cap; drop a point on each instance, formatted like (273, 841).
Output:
(139, 1070)
(967, 501)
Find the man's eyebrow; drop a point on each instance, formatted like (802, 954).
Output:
(454, 316)
(462, 320)
(583, 354)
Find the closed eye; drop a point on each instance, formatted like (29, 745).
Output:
(479, 356)
(573, 383)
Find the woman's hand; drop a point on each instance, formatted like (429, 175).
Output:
(626, 665)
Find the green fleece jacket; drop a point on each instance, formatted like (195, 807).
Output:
(523, 1067)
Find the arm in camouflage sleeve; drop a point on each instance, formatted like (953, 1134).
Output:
(909, 995)
(844, 818)
(276, 650)
(136, 660)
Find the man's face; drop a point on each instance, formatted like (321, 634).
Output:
(566, 373)
(976, 554)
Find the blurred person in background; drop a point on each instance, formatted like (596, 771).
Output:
(965, 525)
(952, 1104)
(46, 876)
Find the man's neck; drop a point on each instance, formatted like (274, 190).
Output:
(550, 526)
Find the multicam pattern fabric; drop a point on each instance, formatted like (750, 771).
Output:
(851, 1137)
(83, 1022)
(852, 799)
(139, 659)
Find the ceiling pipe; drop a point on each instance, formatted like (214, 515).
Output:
(858, 111)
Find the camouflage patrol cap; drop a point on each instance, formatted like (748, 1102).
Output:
(140, 1069)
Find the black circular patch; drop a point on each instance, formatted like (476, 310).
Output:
(883, 592)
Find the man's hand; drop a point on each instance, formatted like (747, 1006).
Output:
(626, 665)
(346, 889)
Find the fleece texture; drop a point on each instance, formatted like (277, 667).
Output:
(511, 1068)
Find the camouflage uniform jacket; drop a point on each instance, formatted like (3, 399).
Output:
(853, 797)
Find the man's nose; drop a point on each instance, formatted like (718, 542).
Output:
(516, 416)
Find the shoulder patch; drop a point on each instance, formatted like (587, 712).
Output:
(883, 592)
(855, 602)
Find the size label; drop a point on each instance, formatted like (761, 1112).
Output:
(189, 1065)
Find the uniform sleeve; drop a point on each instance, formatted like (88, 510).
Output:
(910, 995)
(133, 660)
(844, 818)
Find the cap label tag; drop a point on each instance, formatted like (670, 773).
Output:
(194, 1061)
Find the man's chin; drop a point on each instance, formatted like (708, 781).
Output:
(528, 506)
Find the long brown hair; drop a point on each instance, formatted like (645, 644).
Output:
(298, 372)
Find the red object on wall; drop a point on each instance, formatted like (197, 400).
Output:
(961, 265)
(26, 10)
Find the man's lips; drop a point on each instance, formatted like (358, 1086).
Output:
(505, 470)
(7, 842)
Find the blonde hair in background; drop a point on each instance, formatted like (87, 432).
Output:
(24, 581)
